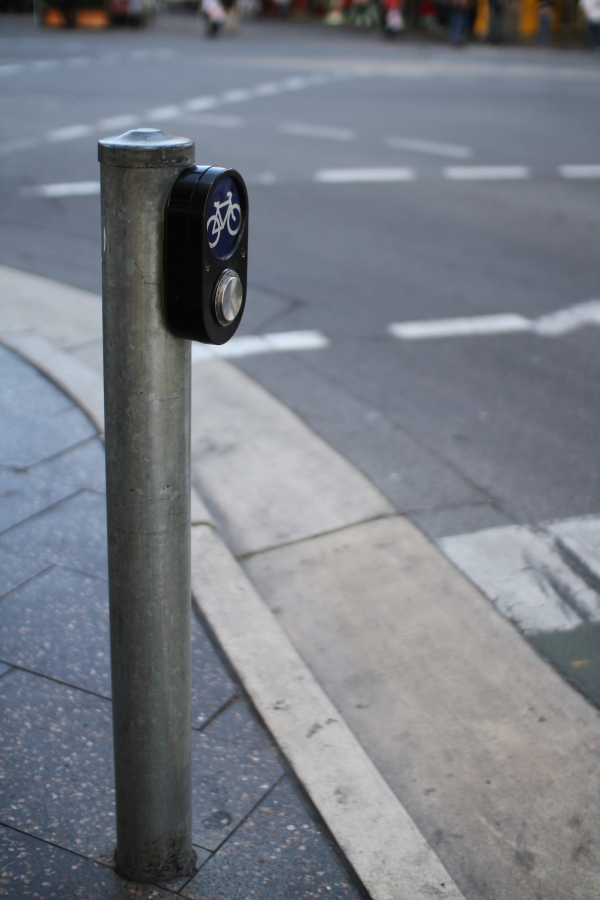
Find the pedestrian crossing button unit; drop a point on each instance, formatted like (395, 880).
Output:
(206, 254)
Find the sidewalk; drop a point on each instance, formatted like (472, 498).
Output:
(255, 835)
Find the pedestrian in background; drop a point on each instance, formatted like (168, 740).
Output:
(545, 17)
(591, 11)
(458, 26)
(496, 24)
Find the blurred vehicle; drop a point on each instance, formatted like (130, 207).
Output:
(95, 13)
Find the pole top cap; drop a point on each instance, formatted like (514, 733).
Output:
(146, 148)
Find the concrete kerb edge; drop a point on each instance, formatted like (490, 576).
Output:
(390, 856)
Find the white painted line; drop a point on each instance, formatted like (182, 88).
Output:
(364, 176)
(197, 104)
(441, 328)
(300, 129)
(124, 121)
(11, 69)
(163, 113)
(265, 90)
(215, 121)
(68, 189)
(295, 84)
(487, 173)
(565, 320)
(70, 133)
(266, 178)
(415, 145)
(578, 542)
(374, 831)
(253, 345)
(553, 324)
(525, 576)
(78, 62)
(44, 65)
(590, 171)
(236, 96)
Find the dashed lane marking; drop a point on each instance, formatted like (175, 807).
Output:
(173, 111)
(487, 173)
(68, 189)
(435, 148)
(301, 129)
(364, 176)
(551, 325)
(253, 345)
(587, 171)
(42, 66)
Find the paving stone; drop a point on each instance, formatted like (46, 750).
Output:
(57, 625)
(24, 493)
(4, 669)
(228, 779)
(70, 534)
(56, 764)
(81, 466)
(277, 852)
(15, 569)
(38, 420)
(33, 869)
(212, 687)
(176, 884)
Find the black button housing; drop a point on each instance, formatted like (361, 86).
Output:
(191, 267)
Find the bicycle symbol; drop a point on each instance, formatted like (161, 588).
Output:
(217, 222)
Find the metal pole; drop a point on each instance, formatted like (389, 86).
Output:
(147, 379)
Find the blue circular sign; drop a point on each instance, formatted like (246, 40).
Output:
(224, 217)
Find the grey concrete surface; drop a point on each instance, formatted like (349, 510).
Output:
(488, 750)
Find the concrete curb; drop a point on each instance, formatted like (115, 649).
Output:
(379, 838)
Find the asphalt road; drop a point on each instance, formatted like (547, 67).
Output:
(461, 433)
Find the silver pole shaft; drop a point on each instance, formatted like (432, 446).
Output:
(147, 378)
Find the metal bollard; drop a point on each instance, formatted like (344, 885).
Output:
(147, 377)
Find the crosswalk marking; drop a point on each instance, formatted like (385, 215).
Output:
(253, 345)
(364, 176)
(542, 579)
(435, 148)
(487, 173)
(553, 324)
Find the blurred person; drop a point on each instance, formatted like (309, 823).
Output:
(545, 18)
(591, 11)
(458, 24)
(496, 22)
(392, 21)
(215, 16)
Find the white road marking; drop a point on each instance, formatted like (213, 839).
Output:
(253, 345)
(216, 121)
(301, 129)
(578, 542)
(459, 327)
(552, 325)
(124, 121)
(415, 145)
(358, 176)
(164, 112)
(40, 66)
(590, 171)
(523, 572)
(70, 133)
(173, 111)
(68, 189)
(487, 173)
(264, 178)
(11, 69)
(198, 104)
